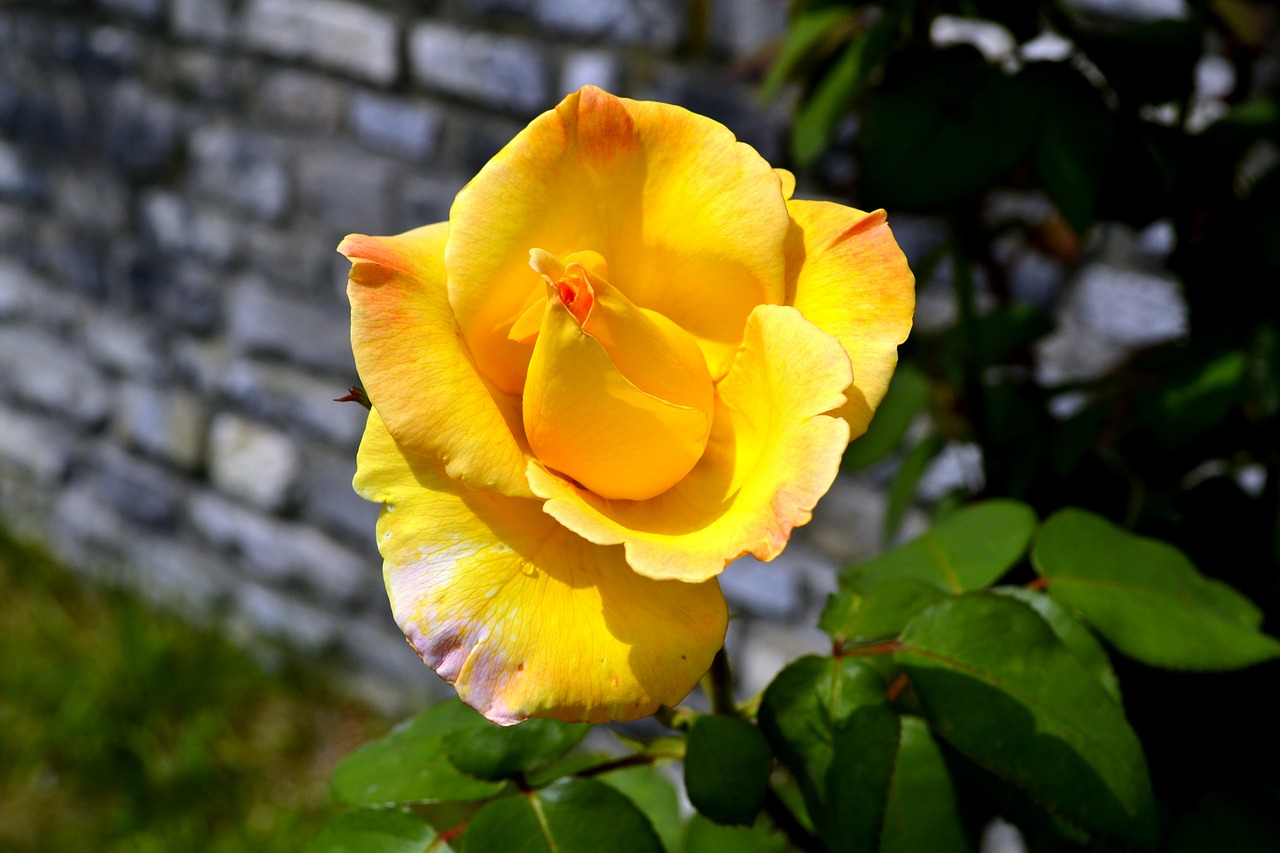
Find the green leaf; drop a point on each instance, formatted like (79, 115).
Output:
(703, 836)
(830, 723)
(1146, 598)
(941, 127)
(1074, 635)
(409, 765)
(830, 100)
(921, 815)
(835, 92)
(652, 792)
(903, 489)
(852, 616)
(907, 396)
(967, 550)
(571, 816)
(726, 768)
(499, 752)
(374, 830)
(996, 682)
(1076, 129)
(1196, 398)
(807, 33)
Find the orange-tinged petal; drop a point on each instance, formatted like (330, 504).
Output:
(416, 369)
(690, 222)
(772, 453)
(847, 275)
(523, 617)
(617, 398)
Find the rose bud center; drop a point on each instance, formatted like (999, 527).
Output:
(617, 397)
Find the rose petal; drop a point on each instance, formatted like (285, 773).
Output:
(690, 222)
(621, 403)
(847, 275)
(415, 368)
(772, 453)
(523, 617)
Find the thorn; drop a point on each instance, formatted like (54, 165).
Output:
(355, 394)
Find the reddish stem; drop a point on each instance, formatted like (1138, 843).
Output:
(1038, 583)
(899, 684)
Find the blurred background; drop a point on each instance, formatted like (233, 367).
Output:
(195, 627)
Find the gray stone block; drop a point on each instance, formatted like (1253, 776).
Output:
(302, 256)
(428, 198)
(241, 169)
(730, 102)
(280, 552)
(176, 227)
(329, 502)
(265, 322)
(41, 369)
(744, 26)
(290, 398)
(116, 50)
(766, 590)
(179, 576)
(136, 489)
(147, 11)
(18, 178)
(306, 628)
(188, 296)
(301, 100)
(503, 72)
(142, 132)
(92, 199)
(379, 649)
(211, 77)
(37, 447)
(848, 522)
(201, 362)
(393, 126)
(84, 532)
(1132, 308)
(203, 20)
(251, 462)
(351, 190)
(658, 24)
(766, 649)
(165, 424)
(346, 37)
(595, 67)
(122, 346)
(18, 289)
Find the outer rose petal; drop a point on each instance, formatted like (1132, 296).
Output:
(415, 368)
(690, 222)
(523, 617)
(772, 453)
(847, 275)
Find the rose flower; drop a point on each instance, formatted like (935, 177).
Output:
(628, 358)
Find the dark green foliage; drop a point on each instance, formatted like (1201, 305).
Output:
(571, 816)
(726, 769)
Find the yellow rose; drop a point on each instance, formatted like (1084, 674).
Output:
(628, 358)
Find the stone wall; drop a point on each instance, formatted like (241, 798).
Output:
(174, 176)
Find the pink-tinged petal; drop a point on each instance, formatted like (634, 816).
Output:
(415, 367)
(523, 617)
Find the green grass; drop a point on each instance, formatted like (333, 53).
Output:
(124, 729)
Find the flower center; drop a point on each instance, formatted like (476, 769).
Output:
(617, 397)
